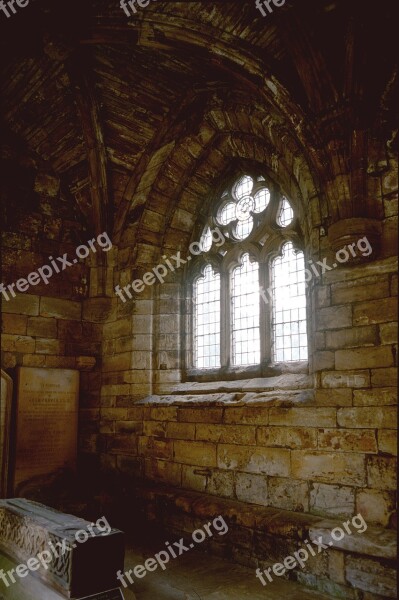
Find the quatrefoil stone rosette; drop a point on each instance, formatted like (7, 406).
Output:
(245, 199)
(244, 207)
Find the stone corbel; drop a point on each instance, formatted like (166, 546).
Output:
(350, 231)
(358, 213)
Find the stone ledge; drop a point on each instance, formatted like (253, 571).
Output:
(284, 391)
(282, 399)
(380, 543)
(288, 381)
(375, 542)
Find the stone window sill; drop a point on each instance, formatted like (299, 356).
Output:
(245, 373)
(284, 390)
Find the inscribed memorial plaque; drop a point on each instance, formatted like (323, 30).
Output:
(47, 421)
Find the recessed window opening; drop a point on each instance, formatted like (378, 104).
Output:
(249, 300)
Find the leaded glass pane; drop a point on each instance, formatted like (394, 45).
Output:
(243, 187)
(286, 215)
(262, 199)
(206, 240)
(207, 320)
(245, 313)
(289, 306)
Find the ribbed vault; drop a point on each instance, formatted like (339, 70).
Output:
(114, 106)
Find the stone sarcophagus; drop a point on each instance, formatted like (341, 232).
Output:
(73, 556)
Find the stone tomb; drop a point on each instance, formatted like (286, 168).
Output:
(75, 565)
(47, 422)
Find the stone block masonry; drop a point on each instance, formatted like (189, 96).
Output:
(325, 460)
(260, 536)
(50, 327)
(324, 445)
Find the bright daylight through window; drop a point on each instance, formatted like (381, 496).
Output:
(249, 302)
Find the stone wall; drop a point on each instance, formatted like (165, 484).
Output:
(360, 565)
(329, 452)
(46, 325)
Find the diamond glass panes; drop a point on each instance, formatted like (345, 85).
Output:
(207, 320)
(206, 240)
(290, 342)
(262, 199)
(243, 187)
(286, 213)
(245, 336)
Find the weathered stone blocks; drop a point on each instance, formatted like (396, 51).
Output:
(361, 358)
(288, 494)
(233, 434)
(348, 440)
(332, 500)
(375, 397)
(376, 506)
(195, 453)
(287, 437)
(329, 467)
(352, 337)
(365, 574)
(251, 487)
(270, 461)
(334, 317)
(376, 311)
(60, 309)
(309, 417)
(22, 304)
(366, 417)
(342, 379)
(381, 472)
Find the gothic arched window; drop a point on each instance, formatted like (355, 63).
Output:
(248, 287)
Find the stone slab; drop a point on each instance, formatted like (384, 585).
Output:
(31, 588)
(80, 566)
(47, 422)
(375, 541)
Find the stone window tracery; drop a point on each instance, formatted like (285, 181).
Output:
(248, 293)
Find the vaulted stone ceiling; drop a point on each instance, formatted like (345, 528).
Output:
(103, 100)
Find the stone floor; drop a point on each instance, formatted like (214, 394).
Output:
(192, 576)
(198, 576)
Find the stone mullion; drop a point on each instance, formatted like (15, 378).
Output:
(264, 317)
(225, 320)
(187, 333)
